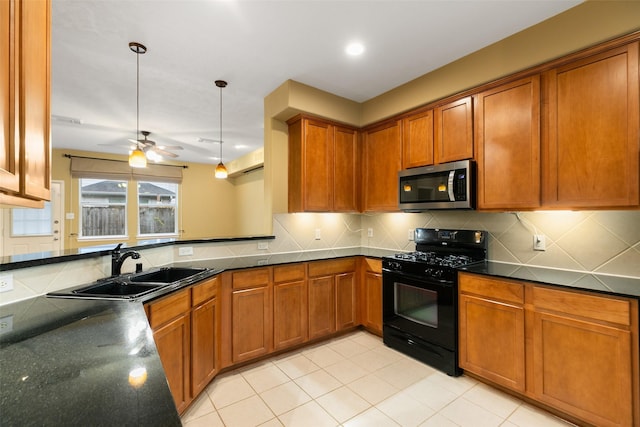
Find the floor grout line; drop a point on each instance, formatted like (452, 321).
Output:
(448, 394)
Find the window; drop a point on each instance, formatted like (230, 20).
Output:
(103, 208)
(157, 208)
(32, 222)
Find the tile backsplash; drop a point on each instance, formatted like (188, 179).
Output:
(606, 242)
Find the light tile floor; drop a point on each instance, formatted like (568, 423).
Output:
(355, 381)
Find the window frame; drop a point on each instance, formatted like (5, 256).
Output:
(81, 236)
(175, 206)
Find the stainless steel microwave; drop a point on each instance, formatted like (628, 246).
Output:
(444, 186)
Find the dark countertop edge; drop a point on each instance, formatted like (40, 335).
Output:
(482, 270)
(44, 258)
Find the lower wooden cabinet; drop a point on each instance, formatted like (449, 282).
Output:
(582, 355)
(204, 345)
(492, 331)
(332, 296)
(290, 326)
(185, 327)
(172, 341)
(251, 314)
(573, 351)
(371, 296)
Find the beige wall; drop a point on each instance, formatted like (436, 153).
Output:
(207, 206)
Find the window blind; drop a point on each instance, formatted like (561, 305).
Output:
(86, 167)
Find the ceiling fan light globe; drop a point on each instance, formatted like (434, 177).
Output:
(137, 159)
(221, 171)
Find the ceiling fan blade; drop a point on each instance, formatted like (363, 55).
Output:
(165, 153)
(170, 147)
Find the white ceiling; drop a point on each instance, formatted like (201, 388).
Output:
(255, 46)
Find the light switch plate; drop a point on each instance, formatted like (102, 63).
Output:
(539, 242)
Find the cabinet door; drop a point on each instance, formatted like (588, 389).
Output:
(172, 341)
(10, 150)
(204, 346)
(346, 316)
(289, 314)
(251, 320)
(321, 306)
(346, 170)
(583, 369)
(492, 341)
(34, 97)
(310, 165)
(382, 161)
(373, 302)
(508, 143)
(453, 134)
(417, 144)
(592, 142)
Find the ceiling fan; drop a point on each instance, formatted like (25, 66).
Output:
(149, 146)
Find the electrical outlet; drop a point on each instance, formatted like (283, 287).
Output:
(185, 251)
(539, 242)
(410, 234)
(6, 282)
(6, 324)
(369, 232)
(263, 245)
(318, 234)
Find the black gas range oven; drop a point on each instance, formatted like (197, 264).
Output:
(420, 295)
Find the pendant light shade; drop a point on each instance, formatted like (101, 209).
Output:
(221, 170)
(137, 158)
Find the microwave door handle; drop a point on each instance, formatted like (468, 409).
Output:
(452, 197)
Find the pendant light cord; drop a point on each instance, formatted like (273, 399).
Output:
(221, 123)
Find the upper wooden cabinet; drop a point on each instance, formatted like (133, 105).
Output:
(25, 155)
(382, 160)
(323, 166)
(507, 133)
(417, 143)
(591, 137)
(453, 131)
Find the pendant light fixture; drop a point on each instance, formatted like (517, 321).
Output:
(221, 170)
(137, 158)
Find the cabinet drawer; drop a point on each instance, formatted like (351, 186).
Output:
(602, 308)
(373, 264)
(204, 291)
(288, 273)
(250, 278)
(169, 307)
(334, 266)
(501, 290)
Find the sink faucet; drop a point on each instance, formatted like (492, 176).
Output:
(117, 259)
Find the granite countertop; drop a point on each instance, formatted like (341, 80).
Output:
(74, 361)
(614, 285)
(239, 262)
(81, 362)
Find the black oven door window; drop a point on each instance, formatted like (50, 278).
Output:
(416, 304)
(422, 308)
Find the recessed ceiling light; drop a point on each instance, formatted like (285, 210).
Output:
(355, 49)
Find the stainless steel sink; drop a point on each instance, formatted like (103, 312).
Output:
(135, 286)
(118, 288)
(167, 275)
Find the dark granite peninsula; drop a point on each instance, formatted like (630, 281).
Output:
(69, 362)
